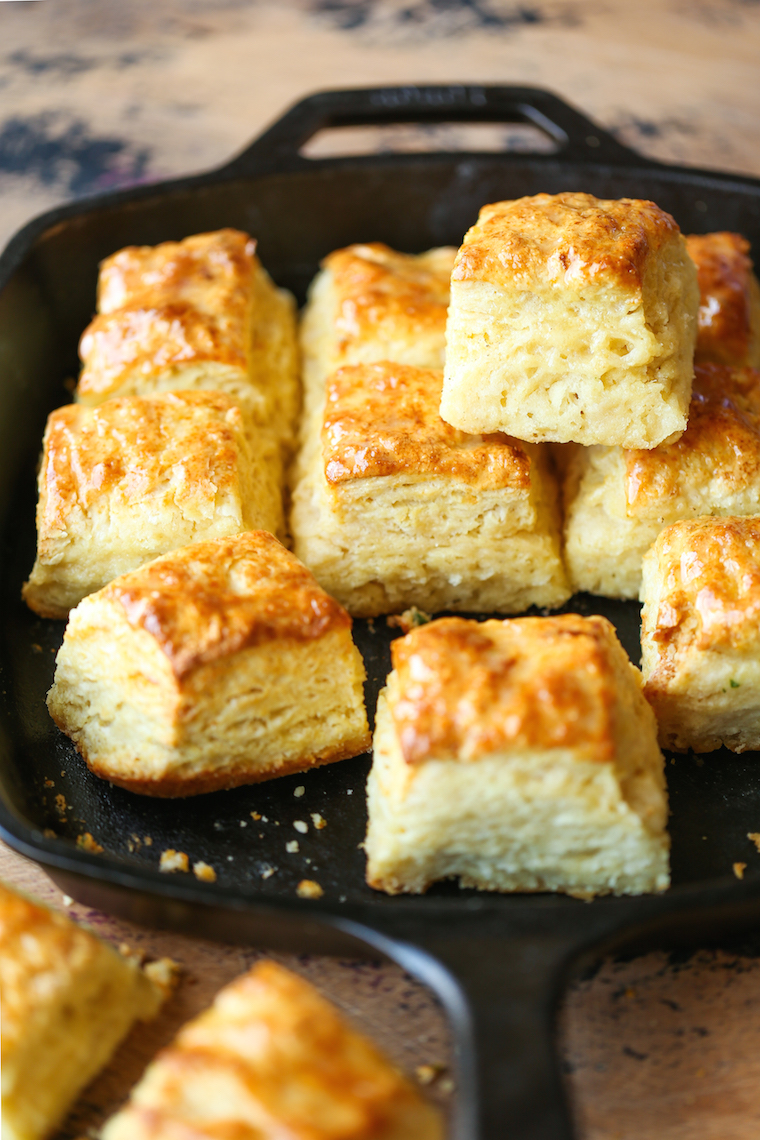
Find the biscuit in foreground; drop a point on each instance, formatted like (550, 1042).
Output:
(572, 319)
(198, 313)
(68, 999)
(700, 634)
(397, 508)
(618, 501)
(220, 664)
(272, 1059)
(729, 300)
(516, 755)
(133, 478)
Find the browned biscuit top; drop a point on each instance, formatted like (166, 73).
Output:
(718, 452)
(138, 443)
(724, 271)
(567, 239)
(382, 419)
(209, 272)
(466, 689)
(711, 585)
(381, 291)
(212, 599)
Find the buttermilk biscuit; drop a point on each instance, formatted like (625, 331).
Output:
(67, 999)
(272, 1060)
(617, 501)
(572, 319)
(729, 304)
(397, 508)
(199, 313)
(134, 478)
(700, 634)
(221, 664)
(516, 755)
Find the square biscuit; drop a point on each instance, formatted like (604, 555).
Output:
(273, 1060)
(396, 508)
(572, 319)
(68, 999)
(729, 300)
(618, 501)
(220, 664)
(133, 478)
(198, 313)
(700, 634)
(516, 755)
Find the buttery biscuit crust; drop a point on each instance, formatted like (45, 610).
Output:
(564, 238)
(729, 309)
(473, 689)
(383, 419)
(213, 599)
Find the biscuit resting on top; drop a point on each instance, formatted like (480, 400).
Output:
(700, 634)
(397, 508)
(272, 1060)
(221, 664)
(572, 319)
(198, 313)
(68, 999)
(134, 478)
(618, 501)
(516, 755)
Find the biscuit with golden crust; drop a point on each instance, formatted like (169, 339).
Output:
(199, 313)
(397, 508)
(272, 1059)
(572, 319)
(131, 479)
(617, 501)
(729, 303)
(516, 755)
(220, 664)
(67, 999)
(700, 634)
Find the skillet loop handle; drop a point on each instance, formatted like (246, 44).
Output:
(576, 137)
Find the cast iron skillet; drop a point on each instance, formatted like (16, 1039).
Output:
(498, 963)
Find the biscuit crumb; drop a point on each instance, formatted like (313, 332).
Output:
(426, 1074)
(49, 783)
(60, 804)
(318, 820)
(291, 847)
(205, 872)
(308, 889)
(243, 822)
(255, 815)
(87, 843)
(739, 869)
(267, 872)
(148, 840)
(36, 648)
(67, 900)
(299, 791)
(129, 952)
(755, 837)
(164, 973)
(300, 825)
(172, 860)
(408, 620)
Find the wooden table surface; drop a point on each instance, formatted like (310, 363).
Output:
(95, 94)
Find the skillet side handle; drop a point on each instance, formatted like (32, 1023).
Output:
(506, 989)
(576, 136)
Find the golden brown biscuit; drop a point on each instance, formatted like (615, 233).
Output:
(729, 306)
(700, 634)
(516, 755)
(397, 508)
(220, 664)
(200, 313)
(572, 319)
(67, 999)
(272, 1060)
(131, 479)
(617, 501)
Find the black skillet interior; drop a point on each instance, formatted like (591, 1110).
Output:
(299, 210)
